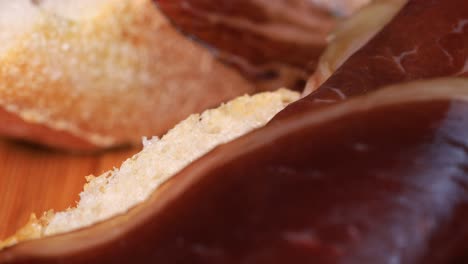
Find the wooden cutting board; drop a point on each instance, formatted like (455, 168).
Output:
(33, 179)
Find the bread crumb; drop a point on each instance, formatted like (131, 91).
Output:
(116, 191)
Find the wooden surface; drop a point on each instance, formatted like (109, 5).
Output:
(33, 179)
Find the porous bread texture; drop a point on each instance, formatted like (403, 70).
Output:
(116, 191)
(95, 69)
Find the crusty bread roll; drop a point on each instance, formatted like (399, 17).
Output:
(115, 192)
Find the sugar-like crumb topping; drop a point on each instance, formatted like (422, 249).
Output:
(94, 69)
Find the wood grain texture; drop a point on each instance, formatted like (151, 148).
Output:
(33, 180)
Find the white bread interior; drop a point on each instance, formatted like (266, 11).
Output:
(116, 191)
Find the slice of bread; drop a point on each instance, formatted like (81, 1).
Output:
(116, 191)
(95, 69)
